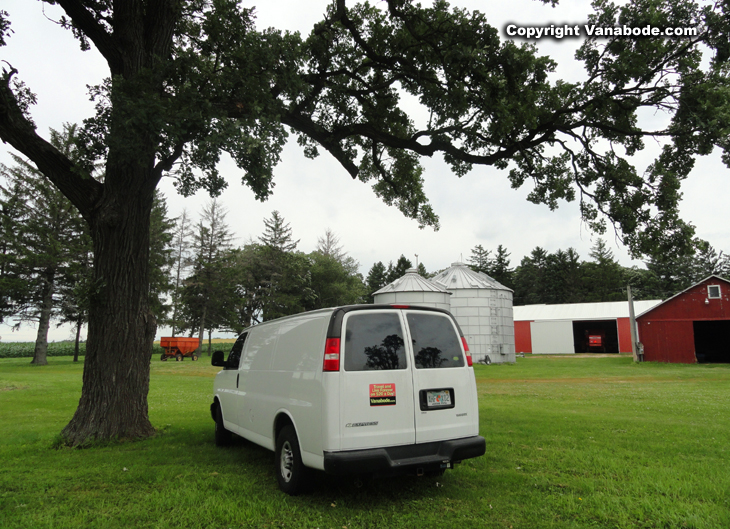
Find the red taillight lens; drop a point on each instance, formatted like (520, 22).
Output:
(466, 352)
(332, 354)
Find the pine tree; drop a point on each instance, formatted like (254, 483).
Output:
(42, 239)
(181, 243)
(206, 287)
(563, 277)
(277, 234)
(499, 268)
(377, 279)
(603, 276)
(479, 260)
(161, 258)
(399, 270)
(530, 278)
(329, 245)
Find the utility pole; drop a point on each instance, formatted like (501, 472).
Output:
(632, 325)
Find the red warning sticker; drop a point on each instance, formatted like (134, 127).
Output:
(382, 394)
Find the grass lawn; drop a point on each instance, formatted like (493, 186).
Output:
(571, 442)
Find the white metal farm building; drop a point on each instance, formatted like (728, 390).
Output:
(562, 329)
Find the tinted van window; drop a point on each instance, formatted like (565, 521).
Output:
(234, 357)
(435, 342)
(374, 342)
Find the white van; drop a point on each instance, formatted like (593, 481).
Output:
(362, 389)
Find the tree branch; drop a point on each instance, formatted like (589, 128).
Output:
(15, 129)
(90, 27)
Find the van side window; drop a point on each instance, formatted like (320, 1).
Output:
(374, 342)
(435, 343)
(234, 357)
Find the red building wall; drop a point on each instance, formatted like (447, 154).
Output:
(667, 331)
(624, 335)
(523, 337)
(668, 341)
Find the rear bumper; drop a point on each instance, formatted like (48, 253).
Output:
(418, 458)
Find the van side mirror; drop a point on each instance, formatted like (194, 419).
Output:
(218, 359)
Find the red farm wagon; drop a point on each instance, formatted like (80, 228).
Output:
(179, 348)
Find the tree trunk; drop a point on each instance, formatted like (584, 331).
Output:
(201, 331)
(79, 323)
(40, 354)
(113, 400)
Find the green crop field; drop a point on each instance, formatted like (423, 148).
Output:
(571, 443)
(66, 348)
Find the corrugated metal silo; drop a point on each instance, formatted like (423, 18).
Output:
(483, 308)
(414, 289)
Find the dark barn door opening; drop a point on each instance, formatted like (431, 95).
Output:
(712, 341)
(595, 336)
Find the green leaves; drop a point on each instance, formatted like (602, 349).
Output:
(221, 85)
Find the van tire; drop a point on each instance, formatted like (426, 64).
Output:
(222, 436)
(291, 473)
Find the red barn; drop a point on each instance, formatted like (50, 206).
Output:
(693, 326)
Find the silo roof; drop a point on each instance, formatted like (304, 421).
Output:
(411, 282)
(461, 276)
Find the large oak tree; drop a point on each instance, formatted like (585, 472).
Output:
(191, 79)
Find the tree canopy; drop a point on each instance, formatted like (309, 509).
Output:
(191, 80)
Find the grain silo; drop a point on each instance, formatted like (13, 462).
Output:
(413, 289)
(483, 308)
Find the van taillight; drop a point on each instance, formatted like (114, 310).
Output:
(332, 354)
(466, 351)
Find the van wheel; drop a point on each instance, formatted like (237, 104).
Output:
(222, 436)
(290, 471)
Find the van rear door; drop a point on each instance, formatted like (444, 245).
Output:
(376, 385)
(444, 388)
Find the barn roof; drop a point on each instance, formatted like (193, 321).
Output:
(714, 276)
(581, 311)
(411, 282)
(460, 276)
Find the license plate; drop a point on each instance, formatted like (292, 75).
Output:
(437, 399)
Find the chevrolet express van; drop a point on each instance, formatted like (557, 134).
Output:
(363, 389)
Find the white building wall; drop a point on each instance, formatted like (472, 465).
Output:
(552, 337)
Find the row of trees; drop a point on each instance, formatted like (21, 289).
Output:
(198, 280)
(562, 277)
(222, 287)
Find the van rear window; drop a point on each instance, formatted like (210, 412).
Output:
(435, 342)
(374, 342)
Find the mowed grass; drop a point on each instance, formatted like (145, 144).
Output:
(571, 442)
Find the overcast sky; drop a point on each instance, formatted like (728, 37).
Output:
(313, 195)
